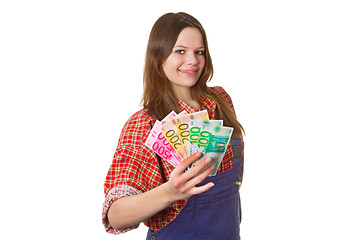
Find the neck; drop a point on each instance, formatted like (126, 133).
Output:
(185, 94)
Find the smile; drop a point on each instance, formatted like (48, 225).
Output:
(188, 71)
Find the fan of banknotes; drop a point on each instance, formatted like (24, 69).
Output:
(178, 136)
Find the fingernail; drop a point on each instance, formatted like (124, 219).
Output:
(207, 160)
(198, 154)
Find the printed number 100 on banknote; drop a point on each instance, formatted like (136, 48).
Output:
(211, 140)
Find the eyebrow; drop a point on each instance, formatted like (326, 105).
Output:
(181, 46)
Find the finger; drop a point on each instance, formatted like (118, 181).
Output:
(199, 167)
(201, 189)
(193, 172)
(186, 162)
(200, 177)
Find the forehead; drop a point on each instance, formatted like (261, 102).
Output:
(190, 37)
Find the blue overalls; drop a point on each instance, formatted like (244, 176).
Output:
(214, 214)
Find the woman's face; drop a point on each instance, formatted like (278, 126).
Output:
(186, 62)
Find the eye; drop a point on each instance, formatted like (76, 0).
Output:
(180, 51)
(200, 52)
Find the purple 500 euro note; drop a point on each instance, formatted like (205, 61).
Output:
(160, 145)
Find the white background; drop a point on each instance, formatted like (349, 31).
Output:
(71, 75)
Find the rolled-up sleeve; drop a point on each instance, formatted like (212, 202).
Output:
(113, 195)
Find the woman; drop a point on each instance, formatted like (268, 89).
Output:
(142, 187)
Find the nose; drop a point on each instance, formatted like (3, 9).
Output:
(192, 59)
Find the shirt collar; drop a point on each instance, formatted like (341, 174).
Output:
(206, 103)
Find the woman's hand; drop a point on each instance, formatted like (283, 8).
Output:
(181, 185)
(129, 211)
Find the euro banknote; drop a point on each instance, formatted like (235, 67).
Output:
(211, 140)
(177, 131)
(160, 145)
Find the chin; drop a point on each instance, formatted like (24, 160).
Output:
(190, 84)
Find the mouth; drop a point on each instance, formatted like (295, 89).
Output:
(190, 72)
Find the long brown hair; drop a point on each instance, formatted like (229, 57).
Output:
(158, 94)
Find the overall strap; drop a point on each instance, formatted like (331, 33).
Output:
(154, 113)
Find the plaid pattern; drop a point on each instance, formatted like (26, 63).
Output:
(136, 168)
(114, 194)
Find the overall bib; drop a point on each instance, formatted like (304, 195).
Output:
(214, 214)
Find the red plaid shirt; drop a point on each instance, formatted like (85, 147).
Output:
(136, 168)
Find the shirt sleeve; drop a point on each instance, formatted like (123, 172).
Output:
(113, 195)
(134, 169)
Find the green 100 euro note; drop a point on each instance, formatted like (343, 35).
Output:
(211, 139)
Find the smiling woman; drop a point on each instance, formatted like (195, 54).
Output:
(141, 186)
(171, 35)
(174, 40)
(185, 64)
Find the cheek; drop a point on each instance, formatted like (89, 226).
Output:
(176, 60)
(202, 61)
(202, 65)
(175, 64)
(170, 69)
(171, 65)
